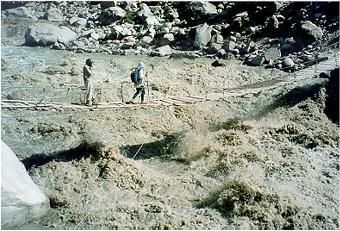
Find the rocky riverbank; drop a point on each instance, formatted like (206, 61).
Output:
(284, 35)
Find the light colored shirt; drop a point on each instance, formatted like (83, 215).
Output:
(140, 78)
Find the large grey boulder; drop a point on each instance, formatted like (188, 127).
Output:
(164, 50)
(203, 35)
(54, 15)
(110, 15)
(203, 8)
(312, 30)
(21, 199)
(24, 12)
(45, 34)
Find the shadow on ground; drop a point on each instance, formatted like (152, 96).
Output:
(84, 150)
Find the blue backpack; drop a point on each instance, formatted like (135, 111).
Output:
(135, 76)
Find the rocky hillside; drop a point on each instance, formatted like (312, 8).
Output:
(285, 35)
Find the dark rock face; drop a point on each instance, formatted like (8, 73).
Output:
(332, 100)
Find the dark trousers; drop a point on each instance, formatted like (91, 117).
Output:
(139, 90)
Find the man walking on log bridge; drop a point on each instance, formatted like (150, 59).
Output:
(137, 77)
(87, 74)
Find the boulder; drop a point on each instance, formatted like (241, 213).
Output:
(87, 33)
(23, 12)
(165, 40)
(288, 62)
(311, 30)
(107, 4)
(249, 47)
(214, 48)
(127, 45)
(171, 14)
(21, 199)
(126, 32)
(202, 8)
(45, 34)
(221, 53)
(144, 11)
(164, 50)
(272, 53)
(78, 22)
(169, 37)
(229, 46)
(217, 38)
(203, 35)
(289, 45)
(54, 15)
(129, 39)
(255, 61)
(95, 35)
(151, 21)
(145, 41)
(111, 15)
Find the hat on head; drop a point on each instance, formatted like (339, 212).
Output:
(89, 62)
(140, 65)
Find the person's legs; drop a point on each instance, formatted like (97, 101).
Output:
(143, 93)
(137, 93)
(89, 93)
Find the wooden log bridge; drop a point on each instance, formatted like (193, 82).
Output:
(314, 70)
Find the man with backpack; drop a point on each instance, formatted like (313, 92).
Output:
(87, 75)
(137, 77)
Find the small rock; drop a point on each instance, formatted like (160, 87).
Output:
(78, 22)
(216, 63)
(256, 61)
(229, 46)
(146, 40)
(288, 62)
(87, 32)
(164, 50)
(233, 38)
(94, 35)
(54, 15)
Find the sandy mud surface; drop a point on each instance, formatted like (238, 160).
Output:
(262, 161)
